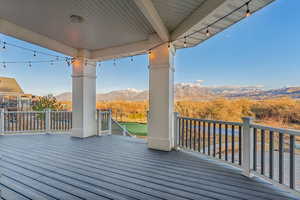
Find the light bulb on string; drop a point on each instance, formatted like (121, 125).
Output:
(99, 64)
(131, 58)
(114, 62)
(248, 13)
(4, 65)
(207, 32)
(169, 45)
(4, 45)
(67, 61)
(34, 53)
(73, 60)
(184, 43)
(29, 64)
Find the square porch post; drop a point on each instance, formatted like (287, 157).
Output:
(84, 96)
(161, 98)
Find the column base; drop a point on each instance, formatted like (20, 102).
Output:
(81, 133)
(159, 144)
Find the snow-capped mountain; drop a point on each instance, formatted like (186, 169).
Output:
(190, 91)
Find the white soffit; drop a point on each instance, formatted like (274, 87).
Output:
(221, 11)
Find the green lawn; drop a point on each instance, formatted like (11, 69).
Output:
(136, 128)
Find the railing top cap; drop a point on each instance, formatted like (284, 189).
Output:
(247, 118)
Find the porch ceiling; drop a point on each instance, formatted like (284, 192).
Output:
(115, 23)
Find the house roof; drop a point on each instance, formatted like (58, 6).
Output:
(9, 86)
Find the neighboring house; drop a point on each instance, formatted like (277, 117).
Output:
(12, 97)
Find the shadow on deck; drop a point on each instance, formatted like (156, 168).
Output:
(116, 167)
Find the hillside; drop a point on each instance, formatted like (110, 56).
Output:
(196, 92)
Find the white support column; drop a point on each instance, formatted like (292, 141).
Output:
(161, 98)
(84, 97)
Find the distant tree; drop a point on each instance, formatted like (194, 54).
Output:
(47, 102)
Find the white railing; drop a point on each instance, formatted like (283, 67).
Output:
(265, 151)
(104, 121)
(59, 121)
(274, 154)
(121, 130)
(48, 121)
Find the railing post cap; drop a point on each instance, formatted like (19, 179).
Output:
(247, 119)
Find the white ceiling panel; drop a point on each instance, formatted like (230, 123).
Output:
(106, 22)
(173, 12)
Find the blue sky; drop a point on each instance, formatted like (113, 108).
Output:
(263, 49)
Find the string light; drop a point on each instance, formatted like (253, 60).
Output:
(214, 22)
(28, 61)
(67, 60)
(99, 64)
(248, 13)
(35, 52)
(208, 33)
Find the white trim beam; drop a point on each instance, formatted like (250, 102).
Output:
(125, 50)
(149, 11)
(21, 33)
(199, 14)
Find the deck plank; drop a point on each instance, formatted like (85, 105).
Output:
(117, 167)
(179, 185)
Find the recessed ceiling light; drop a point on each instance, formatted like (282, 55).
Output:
(76, 19)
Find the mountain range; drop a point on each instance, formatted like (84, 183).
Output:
(196, 92)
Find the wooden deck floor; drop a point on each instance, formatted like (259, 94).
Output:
(116, 167)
